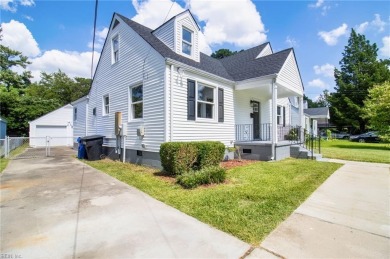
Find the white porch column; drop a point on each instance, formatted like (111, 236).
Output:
(274, 117)
(301, 118)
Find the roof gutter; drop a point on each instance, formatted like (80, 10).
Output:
(170, 61)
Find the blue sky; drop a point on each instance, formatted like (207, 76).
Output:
(57, 34)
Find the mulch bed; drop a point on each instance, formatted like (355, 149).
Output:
(235, 163)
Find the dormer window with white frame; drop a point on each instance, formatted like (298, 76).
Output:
(115, 49)
(186, 46)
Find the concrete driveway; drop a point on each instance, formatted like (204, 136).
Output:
(348, 216)
(58, 207)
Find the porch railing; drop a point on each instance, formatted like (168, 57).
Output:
(246, 132)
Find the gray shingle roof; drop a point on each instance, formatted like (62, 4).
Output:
(322, 111)
(240, 66)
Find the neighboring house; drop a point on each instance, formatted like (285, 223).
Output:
(58, 125)
(167, 90)
(3, 128)
(316, 119)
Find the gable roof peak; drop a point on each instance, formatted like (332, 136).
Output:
(177, 15)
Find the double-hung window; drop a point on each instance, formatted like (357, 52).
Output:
(137, 99)
(106, 105)
(281, 115)
(115, 49)
(205, 101)
(186, 45)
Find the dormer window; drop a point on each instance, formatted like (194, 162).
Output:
(115, 49)
(186, 46)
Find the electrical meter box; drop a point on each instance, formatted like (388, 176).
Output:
(141, 131)
(124, 129)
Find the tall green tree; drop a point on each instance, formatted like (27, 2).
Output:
(59, 86)
(377, 109)
(359, 71)
(223, 53)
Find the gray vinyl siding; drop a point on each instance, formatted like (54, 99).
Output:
(138, 64)
(80, 123)
(289, 75)
(166, 34)
(187, 22)
(201, 129)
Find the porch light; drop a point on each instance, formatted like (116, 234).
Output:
(251, 103)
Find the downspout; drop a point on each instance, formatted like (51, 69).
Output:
(171, 105)
(86, 116)
(274, 118)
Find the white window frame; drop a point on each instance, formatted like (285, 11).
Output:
(115, 58)
(105, 106)
(75, 113)
(186, 42)
(279, 117)
(214, 117)
(131, 103)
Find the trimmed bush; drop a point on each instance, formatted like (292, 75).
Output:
(180, 157)
(190, 180)
(210, 153)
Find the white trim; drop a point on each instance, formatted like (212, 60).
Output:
(130, 103)
(104, 112)
(214, 87)
(170, 61)
(115, 36)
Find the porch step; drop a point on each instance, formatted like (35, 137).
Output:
(302, 153)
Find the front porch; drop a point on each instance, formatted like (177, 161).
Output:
(256, 143)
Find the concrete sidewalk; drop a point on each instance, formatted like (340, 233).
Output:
(60, 208)
(346, 217)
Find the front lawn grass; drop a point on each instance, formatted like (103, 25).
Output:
(253, 200)
(355, 151)
(3, 164)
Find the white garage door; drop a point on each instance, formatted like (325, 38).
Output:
(57, 133)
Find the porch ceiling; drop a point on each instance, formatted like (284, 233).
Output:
(263, 89)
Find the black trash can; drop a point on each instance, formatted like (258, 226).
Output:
(93, 146)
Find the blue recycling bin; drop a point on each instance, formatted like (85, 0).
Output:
(81, 154)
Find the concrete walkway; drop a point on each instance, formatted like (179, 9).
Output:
(346, 217)
(60, 208)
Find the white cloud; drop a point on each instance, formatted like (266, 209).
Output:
(100, 38)
(331, 37)
(27, 2)
(71, 62)
(291, 42)
(361, 28)
(153, 13)
(318, 4)
(318, 83)
(12, 5)
(236, 22)
(28, 17)
(325, 70)
(375, 25)
(378, 23)
(18, 37)
(385, 50)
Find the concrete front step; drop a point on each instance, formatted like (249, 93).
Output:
(302, 153)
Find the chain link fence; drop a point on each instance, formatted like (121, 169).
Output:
(32, 147)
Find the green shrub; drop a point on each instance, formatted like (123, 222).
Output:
(207, 175)
(210, 153)
(292, 134)
(180, 157)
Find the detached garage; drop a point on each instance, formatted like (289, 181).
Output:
(57, 125)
